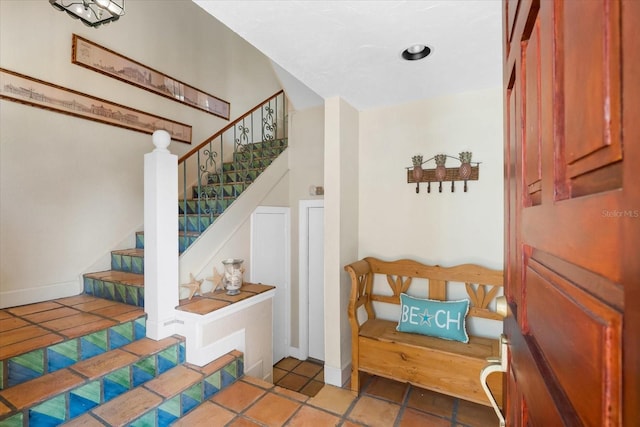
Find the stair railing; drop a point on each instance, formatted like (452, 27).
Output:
(204, 178)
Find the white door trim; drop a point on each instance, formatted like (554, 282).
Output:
(303, 273)
(287, 265)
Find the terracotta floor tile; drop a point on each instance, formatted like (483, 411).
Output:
(4, 409)
(87, 327)
(148, 346)
(10, 323)
(202, 306)
(387, 389)
(333, 399)
(80, 299)
(300, 397)
(311, 417)
(216, 365)
(293, 381)
(238, 396)
(174, 381)
(308, 369)
(4, 314)
(57, 313)
(243, 422)
(257, 382)
(95, 304)
(33, 308)
(114, 310)
(475, 415)
(85, 420)
(207, 414)
(430, 401)
(103, 363)
(22, 334)
(278, 374)
(348, 423)
(312, 388)
(374, 412)
(413, 418)
(320, 376)
(26, 346)
(38, 389)
(70, 321)
(127, 407)
(287, 364)
(256, 288)
(272, 410)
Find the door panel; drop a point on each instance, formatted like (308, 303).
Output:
(571, 214)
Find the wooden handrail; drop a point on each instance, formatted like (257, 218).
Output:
(224, 129)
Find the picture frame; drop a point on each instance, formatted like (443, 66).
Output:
(27, 90)
(92, 56)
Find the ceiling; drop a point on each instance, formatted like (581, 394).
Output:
(352, 49)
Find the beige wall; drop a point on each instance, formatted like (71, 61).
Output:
(306, 163)
(341, 231)
(439, 228)
(71, 189)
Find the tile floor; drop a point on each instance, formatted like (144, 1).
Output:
(382, 403)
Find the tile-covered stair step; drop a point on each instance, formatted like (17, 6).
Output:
(70, 392)
(194, 206)
(268, 143)
(194, 222)
(269, 153)
(243, 166)
(237, 176)
(165, 399)
(129, 260)
(217, 191)
(38, 339)
(120, 286)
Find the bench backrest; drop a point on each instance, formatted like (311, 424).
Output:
(481, 284)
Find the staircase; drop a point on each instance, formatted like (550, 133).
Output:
(86, 360)
(124, 282)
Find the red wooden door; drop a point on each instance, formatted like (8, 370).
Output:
(572, 233)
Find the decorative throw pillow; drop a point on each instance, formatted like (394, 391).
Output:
(442, 319)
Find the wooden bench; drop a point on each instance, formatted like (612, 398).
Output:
(444, 366)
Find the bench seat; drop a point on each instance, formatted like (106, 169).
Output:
(440, 365)
(453, 367)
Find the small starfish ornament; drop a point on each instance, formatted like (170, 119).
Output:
(193, 286)
(216, 280)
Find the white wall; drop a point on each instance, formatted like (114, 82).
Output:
(71, 189)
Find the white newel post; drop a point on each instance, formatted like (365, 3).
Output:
(161, 291)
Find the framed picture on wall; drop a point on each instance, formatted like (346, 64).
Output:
(27, 90)
(105, 61)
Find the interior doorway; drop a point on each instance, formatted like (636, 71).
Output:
(311, 278)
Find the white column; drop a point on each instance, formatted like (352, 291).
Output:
(161, 289)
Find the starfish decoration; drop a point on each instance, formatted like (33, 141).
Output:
(216, 280)
(426, 317)
(193, 286)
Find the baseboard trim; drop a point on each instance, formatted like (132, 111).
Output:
(336, 376)
(40, 293)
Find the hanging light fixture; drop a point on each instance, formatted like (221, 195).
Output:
(92, 13)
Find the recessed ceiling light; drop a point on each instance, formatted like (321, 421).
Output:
(415, 52)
